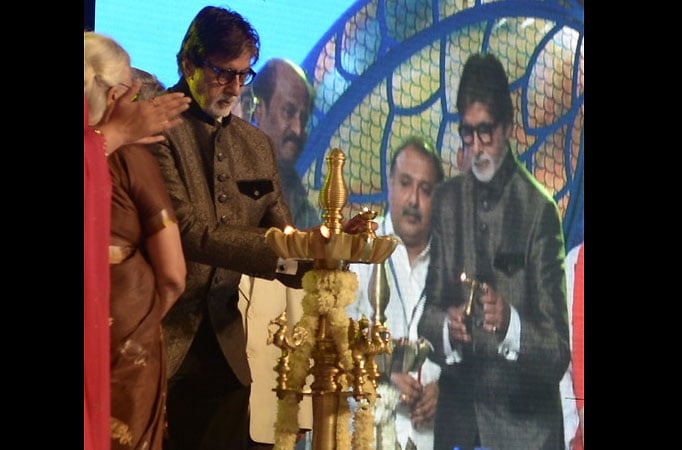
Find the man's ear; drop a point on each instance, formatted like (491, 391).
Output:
(463, 159)
(258, 112)
(507, 131)
(187, 68)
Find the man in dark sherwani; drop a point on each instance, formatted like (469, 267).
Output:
(496, 233)
(222, 177)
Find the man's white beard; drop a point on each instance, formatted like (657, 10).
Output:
(218, 112)
(485, 174)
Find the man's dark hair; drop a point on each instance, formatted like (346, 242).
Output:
(484, 80)
(218, 31)
(263, 85)
(425, 147)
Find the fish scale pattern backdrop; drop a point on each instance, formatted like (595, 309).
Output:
(390, 68)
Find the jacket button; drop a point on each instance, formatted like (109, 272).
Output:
(220, 156)
(222, 198)
(222, 177)
(223, 219)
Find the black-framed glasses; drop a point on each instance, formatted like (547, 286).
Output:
(226, 76)
(483, 130)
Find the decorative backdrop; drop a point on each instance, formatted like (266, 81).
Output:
(390, 68)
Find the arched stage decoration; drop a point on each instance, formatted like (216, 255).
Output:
(390, 68)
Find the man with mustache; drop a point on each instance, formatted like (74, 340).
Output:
(497, 245)
(283, 101)
(221, 174)
(279, 103)
(411, 393)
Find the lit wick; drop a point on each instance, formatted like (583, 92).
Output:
(325, 231)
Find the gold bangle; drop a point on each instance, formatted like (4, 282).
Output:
(104, 140)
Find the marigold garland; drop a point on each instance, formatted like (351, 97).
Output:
(388, 397)
(363, 421)
(328, 292)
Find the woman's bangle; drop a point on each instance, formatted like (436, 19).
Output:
(104, 140)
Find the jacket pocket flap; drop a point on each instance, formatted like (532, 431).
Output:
(255, 188)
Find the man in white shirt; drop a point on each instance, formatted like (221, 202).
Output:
(260, 301)
(412, 392)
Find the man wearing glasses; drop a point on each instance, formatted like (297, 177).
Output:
(222, 177)
(495, 291)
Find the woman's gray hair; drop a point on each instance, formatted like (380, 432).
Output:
(105, 64)
(151, 86)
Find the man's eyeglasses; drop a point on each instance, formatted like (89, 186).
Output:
(483, 130)
(226, 76)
